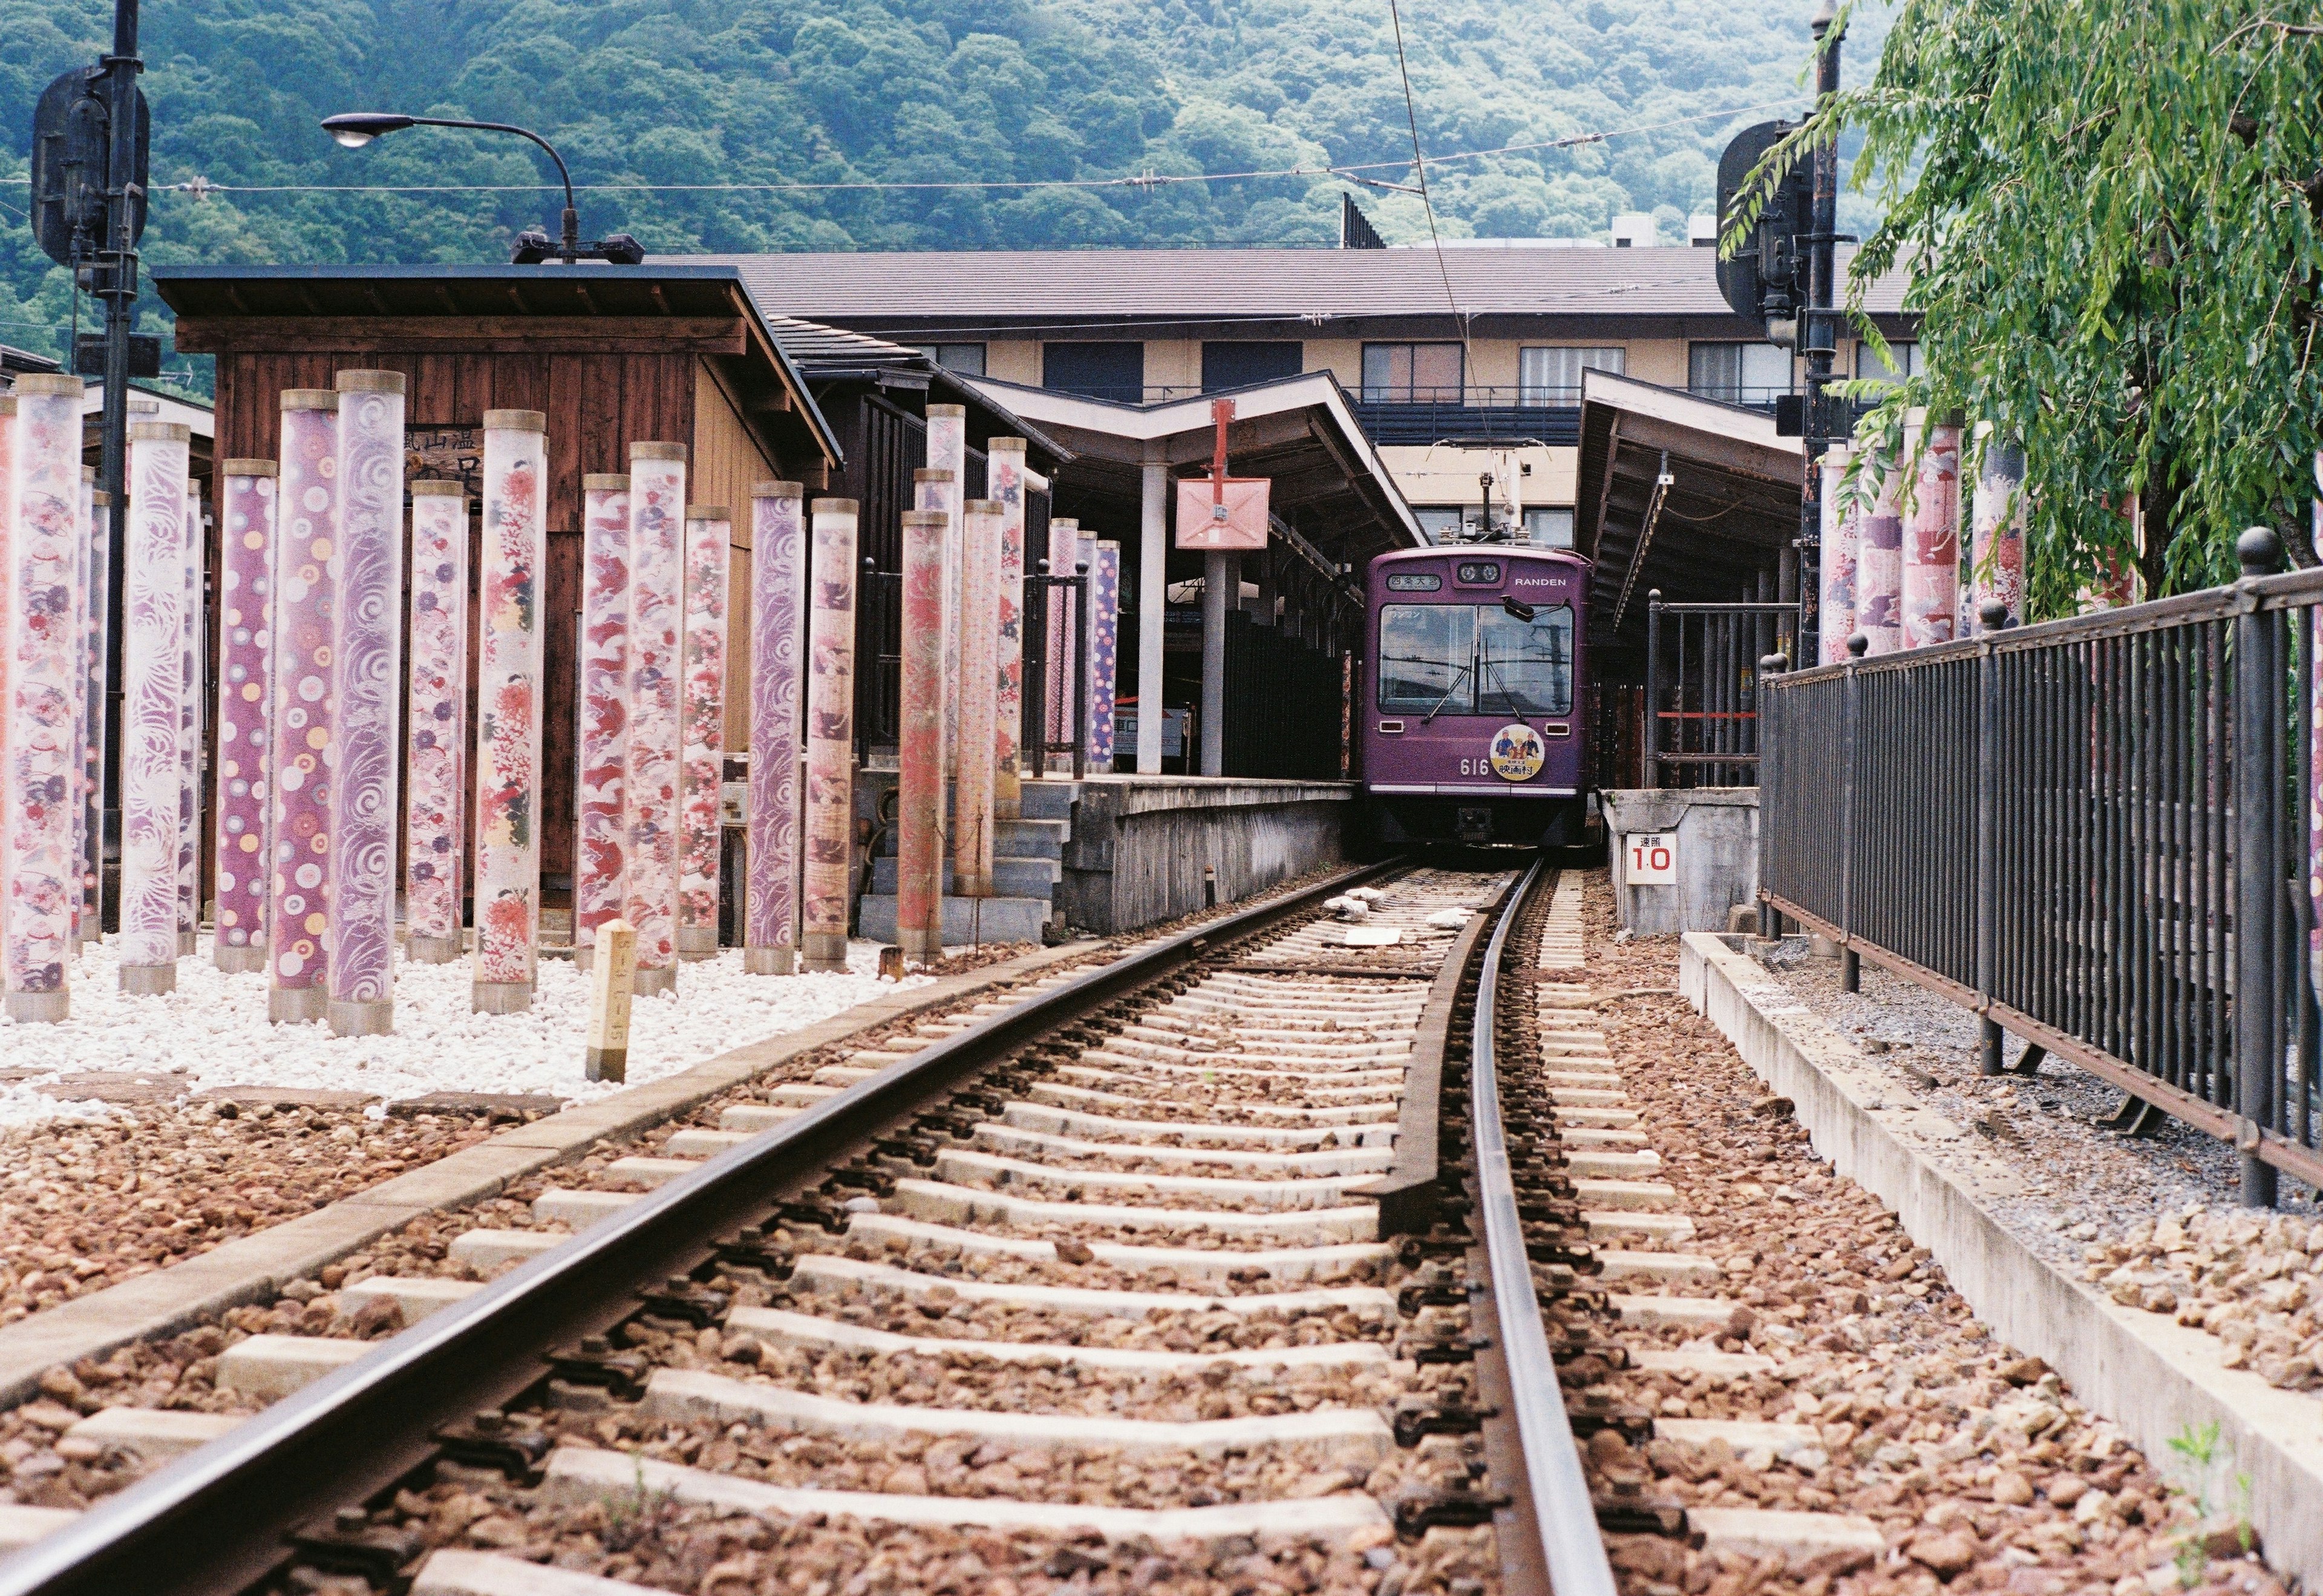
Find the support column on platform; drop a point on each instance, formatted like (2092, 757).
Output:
(1835, 617)
(601, 842)
(1996, 514)
(1221, 580)
(1064, 624)
(84, 537)
(777, 555)
(155, 684)
(190, 731)
(948, 451)
(1006, 484)
(701, 713)
(919, 742)
(1879, 557)
(7, 703)
(649, 788)
(1104, 639)
(510, 573)
(435, 759)
(830, 735)
(1931, 544)
(245, 681)
(298, 777)
(936, 489)
(1153, 601)
(95, 671)
(981, 522)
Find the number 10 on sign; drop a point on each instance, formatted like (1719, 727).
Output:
(1653, 860)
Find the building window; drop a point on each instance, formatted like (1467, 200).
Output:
(1737, 373)
(1553, 376)
(1240, 363)
(1548, 528)
(1411, 373)
(1442, 526)
(1114, 371)
(967, 360)
(1905, 357)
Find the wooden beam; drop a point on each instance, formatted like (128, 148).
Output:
(471, 335)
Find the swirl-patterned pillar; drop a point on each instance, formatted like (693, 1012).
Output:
(919, 742)
(1879, 557)
(649, 789)
(246, 512)
(154, 690)
(601, 844)
(306, 509)
(948, 451)
(979, 695)
(1004, 470)
(1063, 551)
(778, 549)
(701, 713)
(436, 736)
(509, 574)
(1105, 641)
(97, 572)
(830, 736)
(1835, 604)
(1997, 516)
(189, 735)
(1931, 541)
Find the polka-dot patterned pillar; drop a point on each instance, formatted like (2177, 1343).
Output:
(245, 709)
(305, 513)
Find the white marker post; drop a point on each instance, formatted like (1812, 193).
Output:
(612, 977)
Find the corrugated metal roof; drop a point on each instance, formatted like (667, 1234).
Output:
(1233, 284)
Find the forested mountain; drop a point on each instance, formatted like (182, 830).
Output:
(685, 95)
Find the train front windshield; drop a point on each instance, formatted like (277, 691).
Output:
(1479, 659)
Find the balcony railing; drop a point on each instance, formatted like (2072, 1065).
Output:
(1491, 414)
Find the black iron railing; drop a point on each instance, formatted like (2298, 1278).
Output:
(1033, 739)
(2094, 833)
(1702, 695)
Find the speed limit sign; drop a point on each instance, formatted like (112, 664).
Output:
(1652, 859)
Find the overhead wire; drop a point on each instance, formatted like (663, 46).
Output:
(1427, 203)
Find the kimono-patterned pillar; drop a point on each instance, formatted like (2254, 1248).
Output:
(601, 856)
(937, 489)
(98, 575)
(189, 736)
(7, 703)
(1835, 613)
(649, 788)
(1006, 470)
(298, 775)
(36, 812)
(510, 577)
(154, 690)
(981, 521)
(1063, 551)
(777, 550)
(1997, 515)
(435, 737)
(708, 544)
(1105, 640)
(84, 929)
(1879, 560)
(245, 512)
(830, 735)
(948, 451)
(919, 738)
(1931, 544)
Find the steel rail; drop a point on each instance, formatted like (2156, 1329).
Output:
(1556, 1506)
(215, 1520)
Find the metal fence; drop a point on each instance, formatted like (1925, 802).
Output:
(2093, 833)
(1701, 694)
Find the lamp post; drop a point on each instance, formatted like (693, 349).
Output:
(354, 129)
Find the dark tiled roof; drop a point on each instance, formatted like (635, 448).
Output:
(811, 344)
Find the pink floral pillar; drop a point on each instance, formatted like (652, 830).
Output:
(435, 731)
(1004, 469)
(1879, 560)
(777, 550)
(937, 490)
(919, 738)
(8, 580)
(510, 574)
(189, 735)
(1063, 551)
(1931, 541)
(245, 704)
(1996, 514)
(1105, 641)
(948, 451)
(98, 570)
(649, 789)
(154, 691)
(1835, 617)
(709, 543)
(600, 858)
(85, 928)
(830, 735)
(300, 773)
(980, 695)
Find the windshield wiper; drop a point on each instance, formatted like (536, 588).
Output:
(1448, 691)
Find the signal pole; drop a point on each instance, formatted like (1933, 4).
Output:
(115, 282)
(1820, 330)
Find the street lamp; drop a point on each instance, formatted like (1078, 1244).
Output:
(354, 129)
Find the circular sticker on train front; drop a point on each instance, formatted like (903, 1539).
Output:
(1518, 752)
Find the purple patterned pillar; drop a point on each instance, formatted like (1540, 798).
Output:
(948, 451)
(510, 574)
(84, 929)
(778, 549)
(830, 736)
(601, 854)
(189, 736)
(42, 885)
(154, 691)
(1105, 640)
(1880, 559)
(1835, 617)
(436, 734)
(1997, 515)
(980, 694)
(919, 742)
(245, 704)
(98, 570)
(299, 774)
(1932, 542)
(649, 788)
(709, 545)
(1006, 470)
(937, 490)
(1063, 551)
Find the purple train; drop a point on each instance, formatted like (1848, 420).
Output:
(1472, 720)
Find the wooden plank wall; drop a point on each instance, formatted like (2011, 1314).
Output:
(728, 462)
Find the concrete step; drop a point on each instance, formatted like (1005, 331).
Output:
(1011, 840)
(1048, 800)
(1011, 879)
(965, 920)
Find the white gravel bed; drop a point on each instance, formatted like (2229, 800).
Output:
(213, 1030)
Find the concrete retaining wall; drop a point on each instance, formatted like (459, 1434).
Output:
(1717, 830)
(2154, 1378)
(1139, 848)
